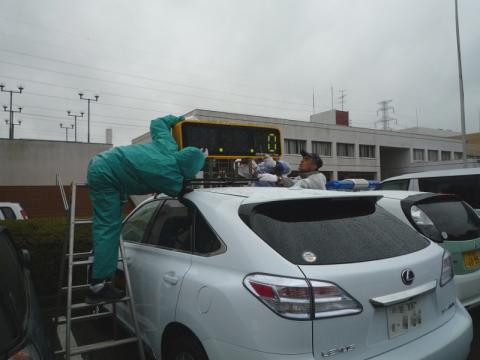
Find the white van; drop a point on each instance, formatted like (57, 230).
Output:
(462, 182)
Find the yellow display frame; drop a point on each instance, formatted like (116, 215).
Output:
(178, 136)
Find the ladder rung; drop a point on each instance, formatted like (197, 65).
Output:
(87, 262)
(86, 317)
(82, 254)
(82, 221)
(98, 346)
(81, 184)
(77, 287)
(81, 287)
(85, 305)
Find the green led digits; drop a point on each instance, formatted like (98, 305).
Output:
(271, 143)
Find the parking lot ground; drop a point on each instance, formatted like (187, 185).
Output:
(98, 330)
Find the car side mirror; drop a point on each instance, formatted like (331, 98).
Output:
(25, 258)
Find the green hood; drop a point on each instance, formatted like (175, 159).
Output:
(190, 160)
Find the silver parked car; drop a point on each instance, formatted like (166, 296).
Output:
(271, 273)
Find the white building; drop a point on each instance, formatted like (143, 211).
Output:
(349, 151)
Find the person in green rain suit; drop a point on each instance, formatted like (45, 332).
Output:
(140, 169)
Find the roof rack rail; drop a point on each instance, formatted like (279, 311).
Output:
(219, 181)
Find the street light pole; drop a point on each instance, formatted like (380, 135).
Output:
(69, 113)
(11, 132)
(88, 113)
(460, 80)
(66, 130)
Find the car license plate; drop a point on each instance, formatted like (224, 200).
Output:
(403, 317)
(471, 259)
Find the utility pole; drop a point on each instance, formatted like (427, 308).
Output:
(66, 130)
(460, 81)
(11, 132)
(342, 96)
(88, 113)
(384, 109)
(313, 100)
(69, 113)
(7, 122)
(331, 95)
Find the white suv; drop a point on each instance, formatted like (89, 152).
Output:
(271, 273)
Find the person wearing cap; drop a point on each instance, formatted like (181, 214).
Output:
(308, 176)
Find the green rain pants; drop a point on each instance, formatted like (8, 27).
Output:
(107, 221)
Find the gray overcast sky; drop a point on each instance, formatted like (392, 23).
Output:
(147, 58)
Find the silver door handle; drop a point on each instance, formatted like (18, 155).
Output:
(172, 280)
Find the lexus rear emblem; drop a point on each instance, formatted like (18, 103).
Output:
(407, 276)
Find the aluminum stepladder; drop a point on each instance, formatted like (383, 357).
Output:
(72, 259)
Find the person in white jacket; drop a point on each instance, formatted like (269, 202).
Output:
(307, 177)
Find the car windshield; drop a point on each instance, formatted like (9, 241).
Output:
(454, 218)
(336, 231)
(13, 297)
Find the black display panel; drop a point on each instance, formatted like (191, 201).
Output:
(231, 140)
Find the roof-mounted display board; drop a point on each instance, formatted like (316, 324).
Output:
(229, 141)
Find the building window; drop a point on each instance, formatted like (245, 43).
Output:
(367, 151)
(446, 155)
(418, 155)
(458, 155)
(432, 155)
(322, 148)
(347, 150)
(293, 146)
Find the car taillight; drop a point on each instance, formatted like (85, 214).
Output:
(285, 296)
(447, 268)
(29, 352)
(24, 214)
(331, 301)
(299, 299)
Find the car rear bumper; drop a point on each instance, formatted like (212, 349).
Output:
(450, 341)
(220, 350)
(468, 288)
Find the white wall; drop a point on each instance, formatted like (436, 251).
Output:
(35, 162)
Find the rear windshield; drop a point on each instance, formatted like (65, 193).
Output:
(454, 218)
(336, 231)
(467, 187)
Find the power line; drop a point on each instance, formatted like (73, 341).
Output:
(156, 54)
(121, 83)
(47, 117)
(138, 76)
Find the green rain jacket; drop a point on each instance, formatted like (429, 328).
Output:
(156, 166)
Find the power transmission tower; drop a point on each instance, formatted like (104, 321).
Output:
(69, 113)
(66, 130)
(342, 97)
(11, 123)
(384, 109)
(7, 122)
(88, 113)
